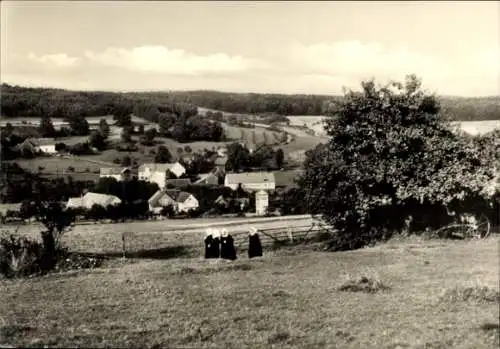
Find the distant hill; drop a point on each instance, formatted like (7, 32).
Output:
(19, 101)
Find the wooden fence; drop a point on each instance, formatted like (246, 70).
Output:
(144, 244)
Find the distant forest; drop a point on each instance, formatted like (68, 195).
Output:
(56, 103)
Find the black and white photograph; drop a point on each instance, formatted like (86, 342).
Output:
(250, 174)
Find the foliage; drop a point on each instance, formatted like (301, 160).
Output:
(264, 157)
(128, 191)
(19, 257)
(163, 155)
(19, 184)
(79, 126)
(104, 128)
(390, 156)
(97, 140)
(46, 127)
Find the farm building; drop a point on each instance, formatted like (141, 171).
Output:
(181, 201)
(118, 173)
(90, 199)
(37, 145)
(251, 181)
(159, 173)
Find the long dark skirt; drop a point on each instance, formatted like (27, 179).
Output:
(254, 246)
(209, 241)
(216, 248)
(228, 251)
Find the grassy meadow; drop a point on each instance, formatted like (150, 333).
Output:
(424, 294)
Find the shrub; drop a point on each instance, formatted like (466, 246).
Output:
(363, 284)
(391, 155)
(19, 257)
(472, 293)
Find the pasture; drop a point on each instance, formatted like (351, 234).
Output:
(55, 166)
(435, 294)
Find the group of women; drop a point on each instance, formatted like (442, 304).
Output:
(220, 244)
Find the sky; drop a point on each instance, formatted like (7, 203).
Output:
(266, 46)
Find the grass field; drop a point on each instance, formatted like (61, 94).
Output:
(290, 298)
(472, 127)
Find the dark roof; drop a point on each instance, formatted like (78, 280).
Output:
(178, 182)
(286, 178)
(177, 195)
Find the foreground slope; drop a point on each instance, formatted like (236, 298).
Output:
(290, 298)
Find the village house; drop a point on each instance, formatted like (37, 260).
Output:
(159, 173)
(250, 181)
(90, 199)
(118, 173)
(37, 145)
(181, 201)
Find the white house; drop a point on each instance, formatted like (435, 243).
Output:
(181, 201)
(90, 199)
(43, 145)
(118, 173)
(159, 173)
(253, 181)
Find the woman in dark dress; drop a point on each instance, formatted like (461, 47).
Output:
(254, 244)
(228, 251)
(208, 243)
(215, 243)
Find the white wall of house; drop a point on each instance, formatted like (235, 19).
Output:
(261, 202)
(177, 169)
(48, 149)
(158, 178)
(190, 203)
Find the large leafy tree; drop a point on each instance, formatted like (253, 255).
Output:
(390, 156)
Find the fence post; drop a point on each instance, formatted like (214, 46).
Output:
(123, 246)
(290, 235)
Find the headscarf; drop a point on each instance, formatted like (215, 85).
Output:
(215, 233)
(252, 231)
(224, 232)
(208, 232)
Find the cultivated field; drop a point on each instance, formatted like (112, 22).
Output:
(430, 294)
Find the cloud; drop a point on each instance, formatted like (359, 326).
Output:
(352, 61)
(322, 68)
(359, 60)
(162, 60)
(59, 60)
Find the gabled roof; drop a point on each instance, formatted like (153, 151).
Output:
(40, 141)
(75, 202)
(111, 171)
(249, 177)
(91, 199)
(157, 167)
(178, 182)
(204, 176)
(175, 195)
(286, 178)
